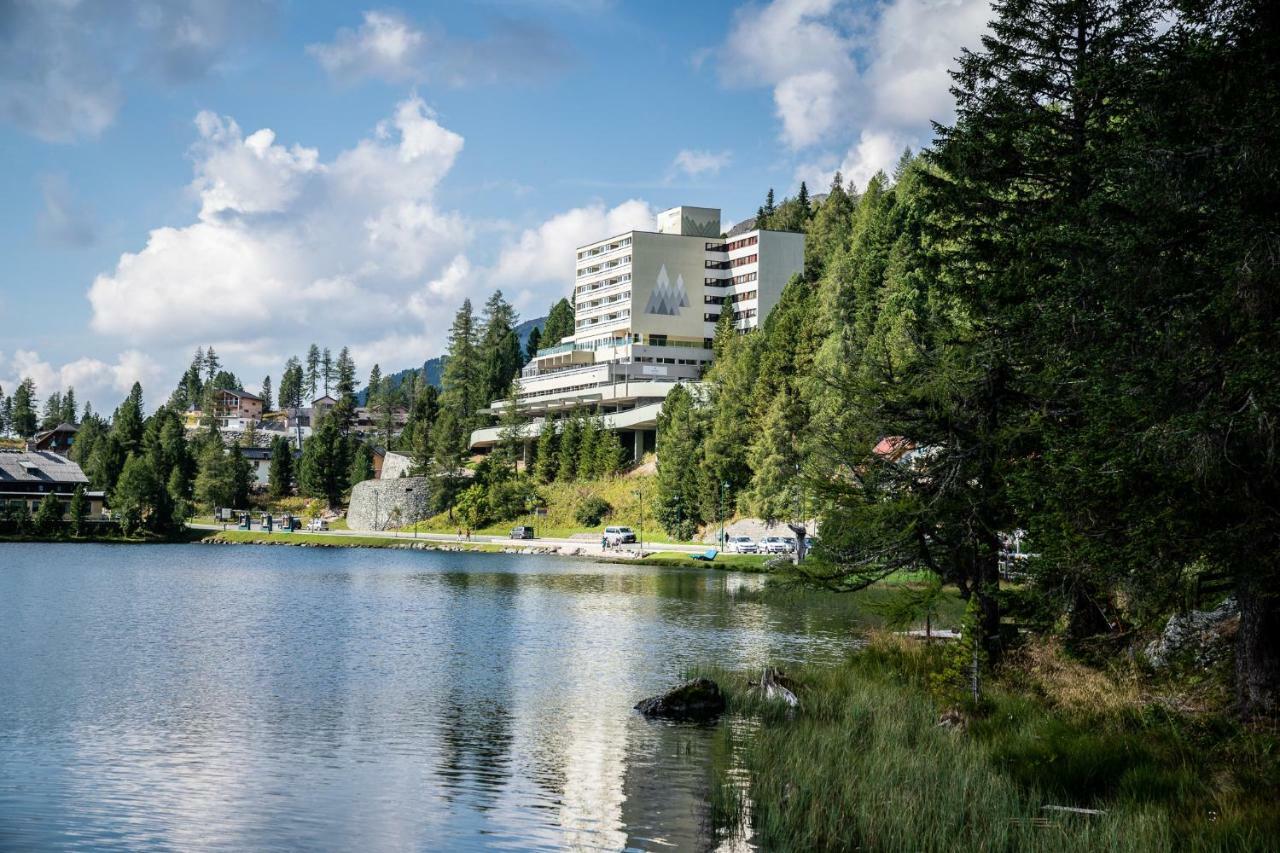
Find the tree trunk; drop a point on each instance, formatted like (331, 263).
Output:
(1258, 650)
(987, 589)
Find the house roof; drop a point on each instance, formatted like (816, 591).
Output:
(39, 466)
(62, 427)
(240, 392)
(325, 399)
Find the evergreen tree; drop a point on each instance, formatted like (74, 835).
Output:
(48, 520)
(6, 412)
(423, 414)
(281, 472)
(68, 414)
(127, 423)
(511, 436)
(532, 344)
(678, 499)
(345, 387)
(265, 394)
(52, 411)
(313, 371)
(570, 439)
(361, 465)
(78, 511)
(134, 496)
(215, 484)
(106, 462)
(609, 454)
(324, 468)
(547, 460)
(327, 373)
(559, 325)
(211, 364)
(463, 388)
(588, 441)
(23, 419)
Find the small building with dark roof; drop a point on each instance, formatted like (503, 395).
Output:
(58, 440)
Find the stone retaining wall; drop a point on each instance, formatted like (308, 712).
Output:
(387, 504)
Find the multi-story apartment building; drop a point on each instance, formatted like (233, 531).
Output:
(646, 306)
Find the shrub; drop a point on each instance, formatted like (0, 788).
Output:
(592, 511)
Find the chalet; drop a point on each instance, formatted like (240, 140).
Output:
(56, 440)
(27, 476)
(234, 408)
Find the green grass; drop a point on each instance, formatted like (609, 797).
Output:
(864, 765)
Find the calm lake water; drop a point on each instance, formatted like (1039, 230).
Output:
(194, 697)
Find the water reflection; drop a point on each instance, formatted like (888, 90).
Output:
(273, 698)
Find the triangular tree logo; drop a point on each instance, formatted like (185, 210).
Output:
(666, 299)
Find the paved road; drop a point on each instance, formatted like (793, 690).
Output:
(588, 546)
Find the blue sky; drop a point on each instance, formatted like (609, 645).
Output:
(257, 175)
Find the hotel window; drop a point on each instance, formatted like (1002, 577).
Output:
(742, 262)
(715, 247)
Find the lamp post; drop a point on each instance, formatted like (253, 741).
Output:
(640, 496)
(720, 510)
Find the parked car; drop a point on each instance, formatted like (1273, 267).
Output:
(741, 545)
(777, 545)
(317, 524)
(524, 531)
(615, 536)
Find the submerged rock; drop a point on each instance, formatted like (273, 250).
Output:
(698, 699)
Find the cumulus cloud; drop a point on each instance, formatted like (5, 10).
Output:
(284, 241)
(389, 46)
(694, 163)
(63, 221)
(537, 268)
(64, 64)
(837, 71)
(94, 380)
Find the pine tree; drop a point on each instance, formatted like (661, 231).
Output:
(678, 490)
(211, 364)
(588, 441)
(462, 381)
(559, 325)
(281, 472)
(127, 423)
(265, 394)
(532, 344)
(547, 460)
(48, 520)
(324, 468)
(345, 411)
(134, 497)
(570, 438)
(361, 465)
(313, 371)
(68, 415)
(78, 511)
(327, 373)
(215, 484)
(23, 418)
(52, 411)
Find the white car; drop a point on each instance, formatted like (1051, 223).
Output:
(615, 536)
(317, 524)
(741, 545)
(777, 545)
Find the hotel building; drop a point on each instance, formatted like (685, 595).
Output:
(646, 306)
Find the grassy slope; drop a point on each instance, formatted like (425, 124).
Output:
(563, 500)
(864, 764)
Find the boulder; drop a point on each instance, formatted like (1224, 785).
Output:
(1202, 637)
(697, 699)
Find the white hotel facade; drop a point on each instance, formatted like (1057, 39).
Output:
(646, 306)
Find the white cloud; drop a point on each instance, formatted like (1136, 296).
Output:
(389, 46)
(874, 151)
(538, 266)
(837, 70)
(64, 64)
(63, 220)
(694, 163)
(94, 380)
(286, 244)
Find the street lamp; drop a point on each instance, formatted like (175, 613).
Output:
(639, 493)
(724, 484)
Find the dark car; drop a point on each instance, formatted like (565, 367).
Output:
(522, 532)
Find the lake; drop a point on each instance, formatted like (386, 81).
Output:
(202, 697)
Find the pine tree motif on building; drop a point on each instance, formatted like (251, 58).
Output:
(666, 299)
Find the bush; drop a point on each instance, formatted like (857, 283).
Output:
(592, 511)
